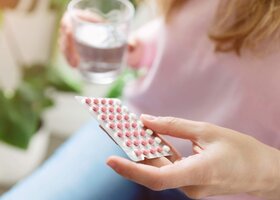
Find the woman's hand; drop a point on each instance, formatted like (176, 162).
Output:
(224, 162)
(67, 44)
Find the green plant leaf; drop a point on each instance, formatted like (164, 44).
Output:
(17, 123)
(61, 81)
(116, 91)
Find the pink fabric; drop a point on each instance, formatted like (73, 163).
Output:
(189, 80)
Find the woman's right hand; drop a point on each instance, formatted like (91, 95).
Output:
(67, 44)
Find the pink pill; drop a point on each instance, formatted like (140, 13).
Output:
(119, 110)
(134, 125)
(112, 126)
(119, 117)
(143, 133)
(128, 134)
(88, 101)
(159, 149)
(95, 109)
(128, 143)
(103, 101)
(104, 109)
(103, 117)
(138, 152)
(136, 143)
(126, 117)
(95, 101)
(144, 143)
(120, 134)
(135, 134)
(111, 117)
(127, 125)
(153, 151)
(145, 152)
(120, 126)
(151, 141)
(111, 109)
(111, 102)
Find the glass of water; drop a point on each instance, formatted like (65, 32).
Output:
(100, 32)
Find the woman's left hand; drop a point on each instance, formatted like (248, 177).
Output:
(224, 162)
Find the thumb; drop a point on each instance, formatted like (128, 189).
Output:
(175, 127)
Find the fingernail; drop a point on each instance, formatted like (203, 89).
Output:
(111, 164)
(149, 117)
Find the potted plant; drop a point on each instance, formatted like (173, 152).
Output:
(23, 135)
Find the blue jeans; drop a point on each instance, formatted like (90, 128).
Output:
(78, 171)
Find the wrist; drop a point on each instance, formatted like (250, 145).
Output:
(269, 183)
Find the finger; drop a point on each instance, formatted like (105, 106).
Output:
(176, 127)
(168, 176)
(175, 154)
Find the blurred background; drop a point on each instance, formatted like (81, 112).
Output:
(38, 111)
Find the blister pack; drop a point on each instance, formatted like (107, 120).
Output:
(125, 128)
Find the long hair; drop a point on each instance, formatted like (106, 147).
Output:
(238, 24)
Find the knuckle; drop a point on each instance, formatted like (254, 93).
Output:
(170, 121)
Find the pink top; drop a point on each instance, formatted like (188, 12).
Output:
(188, 79)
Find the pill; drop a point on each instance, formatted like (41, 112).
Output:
(149, 131)
(111, 109)
(111, 102)
(145, 152)
(119, 117)
(151, 141)
(104, 109)
(134, 125)
(127, 125)
(112, 126)
(120, 126)
(128, 143)
(138, 152)
(111, 117)
(128, 134)
(119, 110)
(103, 101)
(143, 133)
(126, 117)
(88, 101)
(103, 117)
(144, 143)
(135, 133)
(136, 143)
(158, 140)
(95, 109)
(166, 148)
(153, 151)
(120, 134)
(159, 149)
(96, 101)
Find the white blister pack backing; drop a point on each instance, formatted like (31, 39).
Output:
(125, 128)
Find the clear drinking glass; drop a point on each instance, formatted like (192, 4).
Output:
(100, 33)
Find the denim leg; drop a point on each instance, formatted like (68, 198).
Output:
(78, 171)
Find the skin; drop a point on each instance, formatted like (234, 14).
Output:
(67, 44)
(8, 3)
(223, 162)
